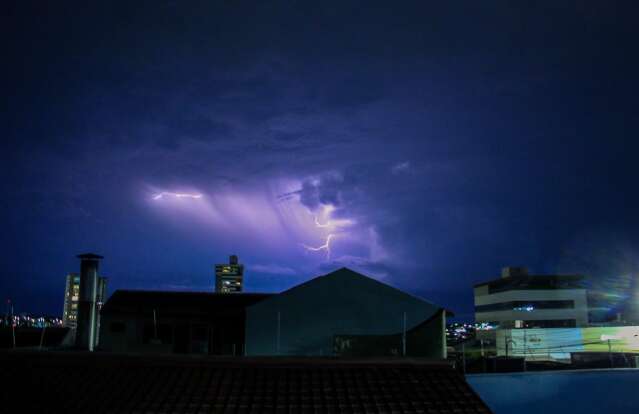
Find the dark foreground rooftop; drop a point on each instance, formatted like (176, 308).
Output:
(108, 383)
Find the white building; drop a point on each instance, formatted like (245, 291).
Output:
(229, 277)
(520, 300)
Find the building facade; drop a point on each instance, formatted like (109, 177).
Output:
(345, 313)
(229, 277)
(72, 296)
(175, 322)
(520, 300)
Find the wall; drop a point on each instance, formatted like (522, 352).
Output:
(559, 392)
(340, 303)
(558, 343)
(424, 340)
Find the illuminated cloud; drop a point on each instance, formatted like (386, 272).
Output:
(176, 195)
(272, 269)
(400, 168)
(281, 220)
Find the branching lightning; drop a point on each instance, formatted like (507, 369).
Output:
(326, 246)
(176, 195)
(328, 224)
(318, 224)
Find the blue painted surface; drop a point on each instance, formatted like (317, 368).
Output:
(586, 391)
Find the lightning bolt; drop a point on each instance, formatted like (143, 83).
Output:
(334, 225)
(176, 195)
(317, 223)
(326, 246)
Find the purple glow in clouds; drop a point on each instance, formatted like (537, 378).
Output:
(255, 219)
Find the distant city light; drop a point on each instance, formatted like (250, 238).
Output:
(25, 320)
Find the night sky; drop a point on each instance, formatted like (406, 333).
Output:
(431, 142)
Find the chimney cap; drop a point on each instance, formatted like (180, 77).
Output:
(90, 256)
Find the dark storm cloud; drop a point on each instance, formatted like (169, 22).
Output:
(455, 138)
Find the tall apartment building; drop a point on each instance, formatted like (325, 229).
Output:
(229, 277)
(72, 296)
(520, 300)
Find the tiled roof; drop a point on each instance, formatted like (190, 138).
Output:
(107, 383)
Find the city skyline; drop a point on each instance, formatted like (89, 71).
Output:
(418, 145)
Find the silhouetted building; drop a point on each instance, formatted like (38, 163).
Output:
(345, 313)
(175, 322)
(88, 312)
(72, 295)
(342, 313)
(229, 277)
(520, 300)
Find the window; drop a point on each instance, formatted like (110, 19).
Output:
(526, 306)
(558, 323)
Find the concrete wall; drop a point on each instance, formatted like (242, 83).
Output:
(130, 339)
(559, 392)
(175, 335)
(425, 340)
(342, 302)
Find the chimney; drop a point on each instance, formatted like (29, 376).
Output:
(512, 271)
(85, 336)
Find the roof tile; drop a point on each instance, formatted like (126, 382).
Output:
(142, 384)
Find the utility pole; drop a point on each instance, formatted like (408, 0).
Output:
(404, 337)
(279, 317)
(44, 327)
(13, 327)
(506, 344)
(483, 355)
(610, 353)
(464, 357)
(525, 349)
(155, 325)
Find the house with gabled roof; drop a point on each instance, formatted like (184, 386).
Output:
(345, 313)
